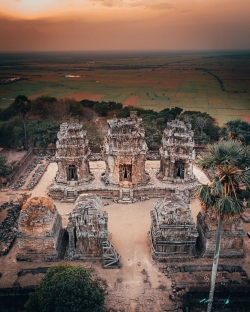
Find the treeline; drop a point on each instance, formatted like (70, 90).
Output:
(36, 123)
(42, 117)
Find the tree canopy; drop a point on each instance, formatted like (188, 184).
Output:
(67, 288)
(237, 130)
(4, 168)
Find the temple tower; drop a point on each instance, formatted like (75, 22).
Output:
(72, 155)
(125, 152)
(177, 153)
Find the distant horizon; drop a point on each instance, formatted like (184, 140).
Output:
(130, 51)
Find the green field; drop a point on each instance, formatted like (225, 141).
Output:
(216, 83)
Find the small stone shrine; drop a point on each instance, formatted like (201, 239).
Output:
(177, 153)
(232, 235)
(72, 155)
(125, 152)
(88, 230)
(173, 232)
(40, 231)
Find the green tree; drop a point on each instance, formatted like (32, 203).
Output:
(67, 288)
(43, 133)
(4, 168)
(22, 106)
(42, 106)
(228, 194)
(237, 130)
(11, 132)
(205, 128)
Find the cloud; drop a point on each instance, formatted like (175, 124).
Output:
(108, 3)
(161, 6)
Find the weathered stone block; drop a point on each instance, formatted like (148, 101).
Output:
(39, 230)
(173, 233)
(87, 228)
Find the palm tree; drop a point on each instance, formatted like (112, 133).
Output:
(22, 106)
(228, 194)
(238, 130)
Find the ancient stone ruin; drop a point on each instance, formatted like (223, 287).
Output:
(88, 231)
(72, 155)
(39, 231)
(177, 153)
(124, 152)
(173, 232)
(231, 240)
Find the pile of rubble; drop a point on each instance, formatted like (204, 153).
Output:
(153, 156)
(8, 228)
(37, 176)
(5, 205)
(169, 272)
(32, 166)
(96, 157)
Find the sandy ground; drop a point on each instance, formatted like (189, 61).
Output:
(12, 155)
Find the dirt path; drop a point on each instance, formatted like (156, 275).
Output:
(129, 225)
(46, 180)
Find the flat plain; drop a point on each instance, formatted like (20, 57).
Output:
(214, 82)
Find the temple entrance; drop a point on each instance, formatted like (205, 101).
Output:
(72, 173)
(125, 173)
(179, 169)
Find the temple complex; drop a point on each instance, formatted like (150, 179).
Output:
(88, 230)
(177, 153)
(173, 232)
(39, 231)
(232, 235)
(125, 152)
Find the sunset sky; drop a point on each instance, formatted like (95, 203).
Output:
(55, 25)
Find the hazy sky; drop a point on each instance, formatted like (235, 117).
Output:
(124, 24)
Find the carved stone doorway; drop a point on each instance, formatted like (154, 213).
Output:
(125, 173)
(72, 173)
(179, 169)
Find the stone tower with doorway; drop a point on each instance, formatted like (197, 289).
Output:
(72, 155)
(124, 152)
(177, 153)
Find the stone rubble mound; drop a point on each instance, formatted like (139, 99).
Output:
(9, 227)
(32, 166)
(37, 176)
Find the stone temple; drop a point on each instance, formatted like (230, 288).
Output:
(177, 153)
(88, 232)
(232, 235)
(72, 154)
(72, 157)
(125, 152)
(173, 232)
(40, 231)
